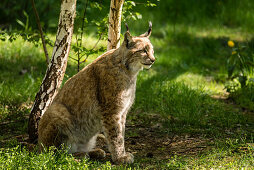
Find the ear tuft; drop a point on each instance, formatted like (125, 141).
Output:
(150, 29)
(127, 28)
(148, 33)
(128, 39)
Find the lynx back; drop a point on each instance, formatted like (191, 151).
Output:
(97, 99)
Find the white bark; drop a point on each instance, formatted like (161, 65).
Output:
(114, 27)
(56, 69)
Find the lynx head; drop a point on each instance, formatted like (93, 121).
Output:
(138, 51)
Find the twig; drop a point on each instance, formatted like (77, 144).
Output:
(83, 21)
(97, 41)
(41, 32)
(92, 48)
(73, 58)
(78, 52)
(81, 35)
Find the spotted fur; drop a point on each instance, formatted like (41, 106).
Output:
(98, 99)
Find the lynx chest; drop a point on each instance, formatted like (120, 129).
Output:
(127, 97)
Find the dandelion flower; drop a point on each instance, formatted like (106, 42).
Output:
(233, 52)
(231, 43)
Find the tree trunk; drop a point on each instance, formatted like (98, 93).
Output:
(56, 69)
(114, 27)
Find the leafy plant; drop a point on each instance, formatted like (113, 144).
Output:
(26, 33)
(82, 52)
(240, 65)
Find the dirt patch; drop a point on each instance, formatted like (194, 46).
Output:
(152, 144)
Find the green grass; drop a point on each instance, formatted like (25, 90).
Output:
(180, 93)
(23, 159)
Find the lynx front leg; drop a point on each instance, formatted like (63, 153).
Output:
(123, 120)
(113, 131)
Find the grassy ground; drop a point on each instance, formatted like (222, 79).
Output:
(181, 117)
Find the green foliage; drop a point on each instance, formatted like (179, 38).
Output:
(241, 63)
(26, 33)
(11, 11)
(132, 10)
(24, 25)
(240, 67)
(80, 50)
(128, 12)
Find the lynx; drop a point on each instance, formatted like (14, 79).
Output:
(97, 99)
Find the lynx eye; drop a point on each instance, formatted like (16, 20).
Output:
(140, 51)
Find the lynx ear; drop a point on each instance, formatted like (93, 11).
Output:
(128, 38)
(148, 33)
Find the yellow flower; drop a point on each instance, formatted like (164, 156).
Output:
(231, 43)
(233, 52)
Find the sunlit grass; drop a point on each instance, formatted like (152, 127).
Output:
(196, 81)
(216, 159)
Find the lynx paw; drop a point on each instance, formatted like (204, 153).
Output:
(97, 154)
(128, 158)
(80, 155)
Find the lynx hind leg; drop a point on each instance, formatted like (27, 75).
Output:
(48, 137)
(86, 149)
(51, 127)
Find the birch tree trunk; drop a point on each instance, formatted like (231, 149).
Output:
(114, 27)
(56, 69)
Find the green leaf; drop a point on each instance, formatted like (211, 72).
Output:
(21, 23)
(139, 16)
(96, 5)
(26, 15)
(132, 3)
(230, 70)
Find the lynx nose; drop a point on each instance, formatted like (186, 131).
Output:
(152, 59)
